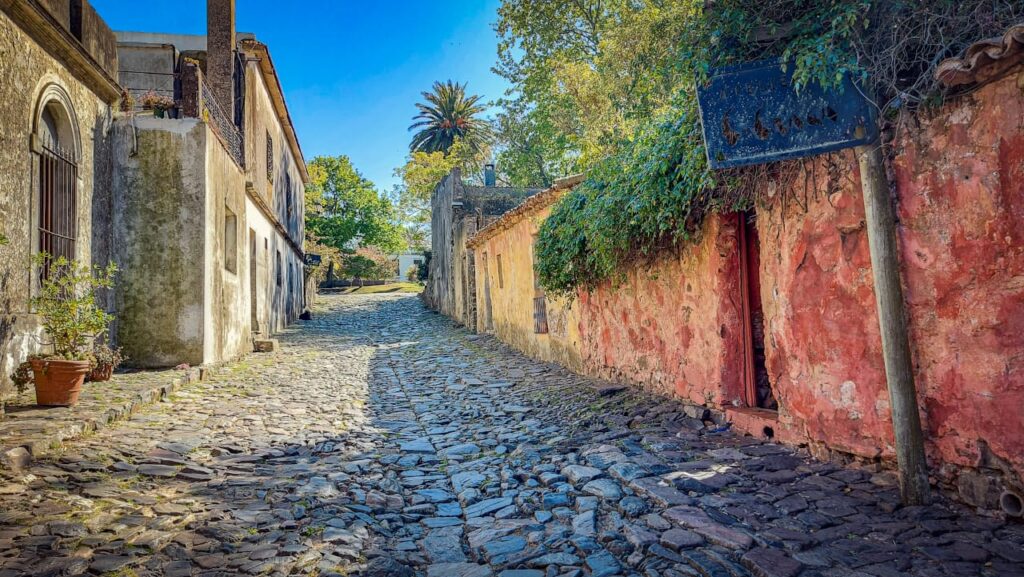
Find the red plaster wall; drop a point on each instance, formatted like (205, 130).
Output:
(673, 327)
(823, 348)
(961, 187)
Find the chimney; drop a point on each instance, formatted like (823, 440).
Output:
(489, 178)
(220, 52)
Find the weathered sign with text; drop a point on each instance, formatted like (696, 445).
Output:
(751, 114)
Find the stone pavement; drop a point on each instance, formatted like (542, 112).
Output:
(28, 430)
(381, 441)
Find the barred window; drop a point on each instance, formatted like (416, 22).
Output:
(270, 157)
(58, 188)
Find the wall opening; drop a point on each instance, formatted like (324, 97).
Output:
(540, 301)
(501, 274)
(270, 158)
(254, 321)
(289, 198)
(488, 318)
(277, 269)
(757, 387)
(230, 240)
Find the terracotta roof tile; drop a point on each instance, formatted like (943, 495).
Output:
(984, 60)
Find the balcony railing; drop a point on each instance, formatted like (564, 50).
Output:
(197, 101)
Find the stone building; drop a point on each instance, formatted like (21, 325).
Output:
(770, 319)
(458, 210)
(228, 165)
(58, 89)
(202, 210)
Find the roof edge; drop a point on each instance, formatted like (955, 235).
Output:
(984, 60)
(531, 205)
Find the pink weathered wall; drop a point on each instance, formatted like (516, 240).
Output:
(674, 327)
(823, 348)
(960, 187)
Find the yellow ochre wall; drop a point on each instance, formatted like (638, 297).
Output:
(512, 301)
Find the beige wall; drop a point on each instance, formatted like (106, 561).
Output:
(512, 296)
(29, 74)
(277, 305)
(226, 301)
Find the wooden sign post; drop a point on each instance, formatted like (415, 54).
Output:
(880, 220)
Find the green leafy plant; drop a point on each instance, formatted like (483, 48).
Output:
(108, 357)
(66, 302)
(412, 274)
(22, 376)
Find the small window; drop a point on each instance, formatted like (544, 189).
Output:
(270, 158)
(540, 302)
(289, 197)
(278, 268)
(501, 274)
(230, 240)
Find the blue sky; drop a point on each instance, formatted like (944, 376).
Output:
(352, 70)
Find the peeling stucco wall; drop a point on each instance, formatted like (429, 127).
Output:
(226, 327)
(961, 183)
(512, 293)
(673, 327)
(26, 70)
(823, 349)
(959, 180)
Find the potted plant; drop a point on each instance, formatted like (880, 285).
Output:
(107, 359)
(157, 103)
(73, 320)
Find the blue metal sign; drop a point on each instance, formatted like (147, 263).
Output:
(751, 114)
(313, 259)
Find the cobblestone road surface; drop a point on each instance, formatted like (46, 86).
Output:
(382, 441)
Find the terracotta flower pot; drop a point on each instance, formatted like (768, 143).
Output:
(58, 382)
(101, 373)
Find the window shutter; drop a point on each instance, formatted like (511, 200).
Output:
(540, 315)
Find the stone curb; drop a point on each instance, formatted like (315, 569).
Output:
(18, 458)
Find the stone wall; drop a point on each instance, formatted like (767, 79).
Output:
(457, 212)
(29, 75)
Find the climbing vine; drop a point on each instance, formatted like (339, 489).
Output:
(654, 190)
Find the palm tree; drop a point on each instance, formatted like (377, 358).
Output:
(448, 114)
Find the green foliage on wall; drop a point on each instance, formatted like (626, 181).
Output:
(596, 75)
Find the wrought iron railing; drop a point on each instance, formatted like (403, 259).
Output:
(222, 123)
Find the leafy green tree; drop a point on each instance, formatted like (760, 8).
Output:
(368, 264)
(585, 75)
(449, 114)
(344, 210)
(420, 175)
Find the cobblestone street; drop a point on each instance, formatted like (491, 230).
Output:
(382, 441)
